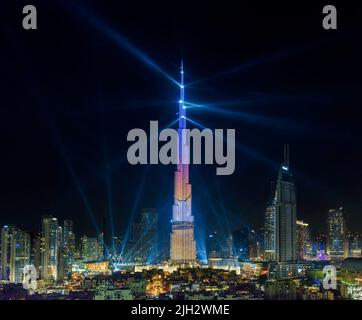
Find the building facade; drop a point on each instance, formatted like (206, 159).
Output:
(49, 248)
(280, 222)
(183, 246)
(19, 255)
(337, 240)
(7, 233)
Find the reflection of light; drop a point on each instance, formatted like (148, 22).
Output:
(180, 101)
(285, 168)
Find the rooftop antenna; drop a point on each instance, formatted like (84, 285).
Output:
(286, 153)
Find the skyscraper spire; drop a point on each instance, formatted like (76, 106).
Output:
(286, 153)
(182, 109)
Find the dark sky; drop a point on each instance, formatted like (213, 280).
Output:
(71, 90)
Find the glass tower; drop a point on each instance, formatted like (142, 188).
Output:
(50, 247)
(280, 223)
(337, 247)
(20, 255)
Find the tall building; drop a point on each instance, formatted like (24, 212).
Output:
(149, 237)
(68, 243)
(143, 243)
(337, 241)
(283, 224)
(256, 247)
(303, 240)
(354, 245)
(241, 243)
(19, 255)
(7, 233)
(116, 247)
(319, 246)
(50, 246)
(183, 246)
(270, 230)
(35, 247)
(92, 248)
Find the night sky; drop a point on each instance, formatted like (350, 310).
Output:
(72, 89)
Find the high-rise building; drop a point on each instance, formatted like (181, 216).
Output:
(143, 243)
(149, 237)
(49, 248)
(68, 244)
(354, 245)
(283, 224)
(7, 233)
(241, 243)
(337, 241)
(183, 246)
(256, 247)
(92, 248)
(270, 230)
(213, 246)
(19, 255)
(116, 247)
(319, 246)
(303, 240)
(35, 250)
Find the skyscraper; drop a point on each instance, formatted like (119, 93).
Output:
(68, 243)
(35, 247)
(270, 231)
(255, 241)
(50, 247)
(92, 248)
(7, 233)
(354, 245)
(337, 247)
(281, 221)
(19, 255)
(143, 241)
(149, 239)
(303, 240)
(241, 243)
(183, 246)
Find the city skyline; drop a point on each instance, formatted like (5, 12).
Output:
(111, 190)
(66, 156)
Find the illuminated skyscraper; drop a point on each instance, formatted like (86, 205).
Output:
(281, 222)
(183, 247)
(68, 243)
(19, 255)
(354, 245)
(7, 233)
(50, 247)
(92, 248)
(270, 229)
(303, 240)
(337, 247)
(143, 242)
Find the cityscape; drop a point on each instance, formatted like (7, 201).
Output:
(281, 261)
(79, 221)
